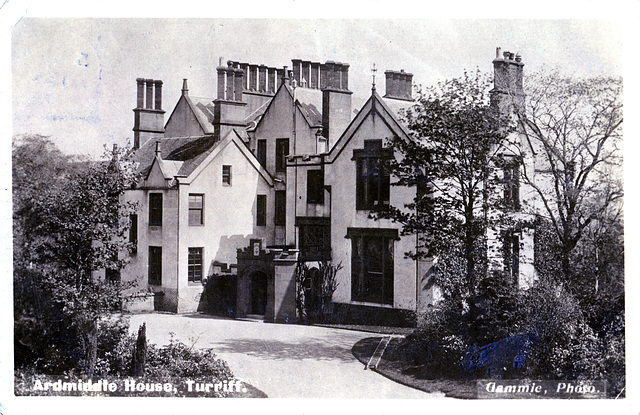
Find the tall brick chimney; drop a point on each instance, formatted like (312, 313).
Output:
(229, 110)
(398, 85)
(336, 100)
(148, 121)
(507, 81)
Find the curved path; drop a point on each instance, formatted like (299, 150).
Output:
(284, 361)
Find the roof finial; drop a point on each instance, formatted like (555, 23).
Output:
(373, 74)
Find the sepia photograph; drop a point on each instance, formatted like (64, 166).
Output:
(376, 208)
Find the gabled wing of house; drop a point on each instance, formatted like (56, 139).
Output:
(374, 106)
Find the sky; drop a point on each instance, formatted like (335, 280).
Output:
(74, 78)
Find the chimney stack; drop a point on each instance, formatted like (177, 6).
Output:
(158, 149)
(399, 85)
(148, 121)
(507, 81)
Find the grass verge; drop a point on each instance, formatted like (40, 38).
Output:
(413, 376)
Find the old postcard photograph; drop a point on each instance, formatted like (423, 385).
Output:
(308, 212)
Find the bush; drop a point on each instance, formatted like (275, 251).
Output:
(436, 344)
(220, 293)
(172, 363)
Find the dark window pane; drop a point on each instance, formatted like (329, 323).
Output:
(226, 175)
(315, 186)
(282, 150)
(261, 210)
(280, 208)
(194, 272)
(262, 152)
(372, 179)
(155, 265)
(371, 267)
(155, 209)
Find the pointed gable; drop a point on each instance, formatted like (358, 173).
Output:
(376, 107)
(192, 116)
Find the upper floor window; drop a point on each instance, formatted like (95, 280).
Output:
(280, 208)
(372, 179)
(315, 186)
(282, 151)
(226, 175)
(261, 210)
(155, 209)
(196, 209)
(261, 152)
(512, 185)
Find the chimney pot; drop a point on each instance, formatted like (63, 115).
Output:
(140, 102)
(498, 52)
(149, 103)
(518, 58)
(505, 55)
(158, 84)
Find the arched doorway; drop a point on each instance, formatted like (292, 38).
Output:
(258, 292)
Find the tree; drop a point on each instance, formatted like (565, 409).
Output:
(575, 127)
(68, 224)
(456, 138)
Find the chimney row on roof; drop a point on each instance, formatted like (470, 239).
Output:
(334, 75)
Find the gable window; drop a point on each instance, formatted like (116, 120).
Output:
(155, 265)
(196, 209)
(155, 209)
(261, 210)
(512, 185)
(280, 208)
(282, 151)
(262, 152)
(372, 264)
(315, 186)
(194, 272)
(226, 175)
(372, 179)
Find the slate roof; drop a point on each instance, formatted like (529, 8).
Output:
(310, 104)
(189, 151)
(203, 110)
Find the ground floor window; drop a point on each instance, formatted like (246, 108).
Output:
(372, 264)
(155, 265)
(195, 265)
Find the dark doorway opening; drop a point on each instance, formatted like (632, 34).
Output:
(258, 293)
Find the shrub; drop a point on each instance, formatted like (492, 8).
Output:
(436, 344)
(220, 294)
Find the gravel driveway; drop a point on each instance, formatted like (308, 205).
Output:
(284, 361)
